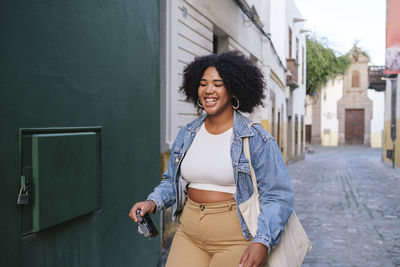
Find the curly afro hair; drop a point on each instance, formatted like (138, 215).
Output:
(242, 78)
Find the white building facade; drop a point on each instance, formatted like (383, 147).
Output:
(259, 29)
(330, 95)
(378, 117)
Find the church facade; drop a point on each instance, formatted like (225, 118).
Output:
(346, 111)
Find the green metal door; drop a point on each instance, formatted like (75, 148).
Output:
(79, 116)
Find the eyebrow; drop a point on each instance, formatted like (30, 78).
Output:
(216, 80)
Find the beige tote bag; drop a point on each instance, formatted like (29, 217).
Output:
(294, 244)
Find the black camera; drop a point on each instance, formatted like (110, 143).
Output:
(145, 225)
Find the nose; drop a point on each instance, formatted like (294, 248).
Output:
(210, 88)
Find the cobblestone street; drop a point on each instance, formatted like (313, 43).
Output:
(349, 203)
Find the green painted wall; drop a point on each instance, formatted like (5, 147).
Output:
(82, 63)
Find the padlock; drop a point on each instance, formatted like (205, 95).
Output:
(23, 196)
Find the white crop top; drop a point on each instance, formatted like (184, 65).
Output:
(207, 164)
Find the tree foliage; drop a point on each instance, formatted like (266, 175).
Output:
(322, 64)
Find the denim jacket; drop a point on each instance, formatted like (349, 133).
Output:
(274, 186)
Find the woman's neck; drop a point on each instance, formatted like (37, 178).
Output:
(217, 124)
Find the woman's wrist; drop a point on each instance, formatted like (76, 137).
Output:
(153, 205)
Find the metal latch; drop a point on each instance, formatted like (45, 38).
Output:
(23, 195)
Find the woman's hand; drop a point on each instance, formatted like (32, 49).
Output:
(145, 207)
(254, 256)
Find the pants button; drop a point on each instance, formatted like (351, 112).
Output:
(202, 207)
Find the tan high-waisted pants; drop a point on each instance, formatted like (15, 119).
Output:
(209, 236)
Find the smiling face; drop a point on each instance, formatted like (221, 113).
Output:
(213, 95)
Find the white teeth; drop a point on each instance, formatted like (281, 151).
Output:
(209, 100)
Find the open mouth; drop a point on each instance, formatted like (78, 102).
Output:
(210, 101)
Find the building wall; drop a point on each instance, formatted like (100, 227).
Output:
(308, 121)
(296, 97)
(188, 34)
(277, 30)
(377, 122)
(308, 110)
(389, 144)
(387, 140)
(276, 104)
(190, 25)
(316, 120)
(330, 94)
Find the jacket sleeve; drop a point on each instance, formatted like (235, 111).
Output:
(164, 194)
(275, 190)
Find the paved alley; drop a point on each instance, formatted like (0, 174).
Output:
(349, 203)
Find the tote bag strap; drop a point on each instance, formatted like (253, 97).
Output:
(246, 148)
(294, 244)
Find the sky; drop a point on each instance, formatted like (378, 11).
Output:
(346, 22)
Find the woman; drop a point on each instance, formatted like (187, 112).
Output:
(208, 175)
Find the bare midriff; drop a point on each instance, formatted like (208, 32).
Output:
(206, 196)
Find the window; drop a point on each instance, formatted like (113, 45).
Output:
(220, 40)
(297, 50)
(355, 79)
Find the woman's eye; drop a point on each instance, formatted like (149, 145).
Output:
(203, 84)
(219, 85)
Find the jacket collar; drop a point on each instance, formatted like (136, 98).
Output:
(240, 124)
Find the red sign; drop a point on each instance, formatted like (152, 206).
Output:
(392, 65)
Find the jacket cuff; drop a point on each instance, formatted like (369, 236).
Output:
(265, 241)
(158, 203)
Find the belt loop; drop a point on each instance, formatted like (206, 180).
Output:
(230, 205)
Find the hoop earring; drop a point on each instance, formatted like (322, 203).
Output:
(238, 103)
(199, 104)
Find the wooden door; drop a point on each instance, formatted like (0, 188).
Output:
(354, 126)
(308, 133)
